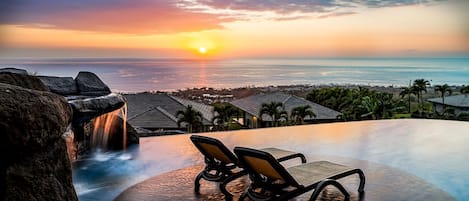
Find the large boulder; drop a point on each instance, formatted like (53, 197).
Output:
(34, 162)
(25, 81)
(86, 109)
(89, 84)
(13, 70)
(60, 85)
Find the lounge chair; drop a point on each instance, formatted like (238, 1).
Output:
(222, 166)
(272, 181)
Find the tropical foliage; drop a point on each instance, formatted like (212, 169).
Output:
(419, 86)
(191, 117)
(381, 106)
(464, 89)
(275, 110)
(298, 114)
(443, 89)
(357, 103)
(407, 91)
(224, 115)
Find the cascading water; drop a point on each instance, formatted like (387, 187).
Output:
(109, 157)
(124, 126)
(107, 126)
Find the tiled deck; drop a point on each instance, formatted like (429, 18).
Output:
(382, 183)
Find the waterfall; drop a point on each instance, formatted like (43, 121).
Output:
(110, 129)
(124, 125)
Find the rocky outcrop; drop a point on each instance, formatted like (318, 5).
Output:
(22, 80)
(86, 109)
(87, 95)
(34, 162)
(90, 85)
(85, 84)
(14, 70)
(60, 85)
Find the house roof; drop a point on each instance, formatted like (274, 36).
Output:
(206, 110)
(252, 105)
(156, 110)
(455, 101)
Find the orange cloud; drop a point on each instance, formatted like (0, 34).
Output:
(116, 16)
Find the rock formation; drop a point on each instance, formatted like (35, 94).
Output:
(86, 109)
(89, 98)
(22, 80)
(14, 70)
(60, 85)
(90, 85)
(35, 112)
(33, 155)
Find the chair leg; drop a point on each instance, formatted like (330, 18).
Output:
(228, 196)
(303, 158)
(197, 183)
(361, 188)
(328, 182)
(243, 196)
(225, 182)
(361, 196)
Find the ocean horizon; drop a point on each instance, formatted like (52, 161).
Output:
(139, 75)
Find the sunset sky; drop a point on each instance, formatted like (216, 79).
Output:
(233, 29)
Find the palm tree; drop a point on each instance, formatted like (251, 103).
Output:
(301, 112)
(420, 85)
(443, 89)
(189, 116)
(407, 91)
(275, 110)
(281, 115)
(223, 115)
(371, 106)
(465, 89)
(386, 104)
(378, 106)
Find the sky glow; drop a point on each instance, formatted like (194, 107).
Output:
(233, 29)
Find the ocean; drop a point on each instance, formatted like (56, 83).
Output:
(137, 75)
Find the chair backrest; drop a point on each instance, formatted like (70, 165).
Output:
(261, 164)
(213, 149)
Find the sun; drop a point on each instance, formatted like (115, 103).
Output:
(202, 50)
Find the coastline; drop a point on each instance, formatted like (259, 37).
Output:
(139, 75)
(228, 94)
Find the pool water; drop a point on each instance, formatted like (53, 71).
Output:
(433, 150)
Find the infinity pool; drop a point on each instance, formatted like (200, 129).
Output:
(435, 151)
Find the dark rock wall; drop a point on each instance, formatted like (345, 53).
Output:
(33, 155)
(60, 85)
(25, 81)
(89, 84)
(14, 70)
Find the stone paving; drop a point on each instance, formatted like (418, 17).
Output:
(382, 183)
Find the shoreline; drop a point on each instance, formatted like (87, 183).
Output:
(210, 95)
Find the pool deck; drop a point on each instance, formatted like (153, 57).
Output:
(382, 183)
(408, 159)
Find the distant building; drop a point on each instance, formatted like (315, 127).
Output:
(251, 107)
(157, 112)
(460, 103)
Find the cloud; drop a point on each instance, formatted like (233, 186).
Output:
(118, 16)
(304, 6)
(172, 16)
(289, 9)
